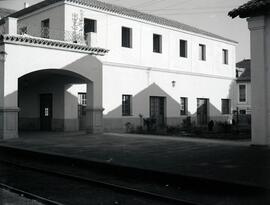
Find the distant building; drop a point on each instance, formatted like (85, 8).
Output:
(86, 64)
(243, 88)
(257, 13)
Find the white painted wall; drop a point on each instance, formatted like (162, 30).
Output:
(133, 70)
(141, 54)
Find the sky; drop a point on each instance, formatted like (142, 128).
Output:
(209, 15)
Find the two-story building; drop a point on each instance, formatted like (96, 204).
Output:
(153, 68)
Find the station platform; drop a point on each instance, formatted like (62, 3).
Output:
(234, 162)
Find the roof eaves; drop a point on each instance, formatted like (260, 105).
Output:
(126, 12)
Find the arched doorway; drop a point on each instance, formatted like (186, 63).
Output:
(52, 100)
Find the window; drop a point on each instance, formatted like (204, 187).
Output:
(23, 30)
(184, 106)
(202, 52)
(126, 105)
(226, 106)
(225, 56)
(157, 43)
(90, 26)
(242, 93)
(81, 104)
(126, 37)
(45, 28)
(183, 48)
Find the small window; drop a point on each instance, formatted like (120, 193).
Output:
(45, 28)
(126, 105)
(90, 26)
(157, 43)
(202, 52)
(183, 48)
(226, 106)
(184, 106)
(23, 30)
(225, 56)
(126, 37)
(242, 93)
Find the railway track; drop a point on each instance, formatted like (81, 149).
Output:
(113, 182)
(144, 195)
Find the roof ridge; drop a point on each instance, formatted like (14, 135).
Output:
(127, 12)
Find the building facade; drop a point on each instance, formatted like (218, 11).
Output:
(243, 88)
(155, 68)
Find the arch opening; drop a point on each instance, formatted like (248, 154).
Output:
(54, 100)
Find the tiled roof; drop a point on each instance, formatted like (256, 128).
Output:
(5, 12)
(246, 75)
(251, 8)
(125, 12)
(42, 42)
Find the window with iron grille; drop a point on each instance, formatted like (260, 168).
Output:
(183, 48)
(225, 56)
(126, 37)
(82, 104)
(242, 93)
(157, 43)
(184, 106)
(226, 106)
(202, 52)
(126, 105)
(45, 28)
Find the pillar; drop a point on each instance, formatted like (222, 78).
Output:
(259, 81)
(94, 111)
(8, 103)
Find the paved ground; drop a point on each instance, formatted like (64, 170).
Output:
(236, 162)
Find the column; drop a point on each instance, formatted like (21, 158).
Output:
(259, 78)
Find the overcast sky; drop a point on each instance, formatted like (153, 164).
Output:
(210, 15)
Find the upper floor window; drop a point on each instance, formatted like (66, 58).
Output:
(202, 52)
(225, 106)
(126, 37)
(242, 93)
(45, 28)
(126, 105)
(90, 26)
(184, 106)
(183, 48)
(225, 56)
(157, 43)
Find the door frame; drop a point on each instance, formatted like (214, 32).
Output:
(207, 110)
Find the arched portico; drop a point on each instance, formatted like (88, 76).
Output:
(36, 66)
(48, 100)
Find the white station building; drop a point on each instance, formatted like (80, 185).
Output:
(69, 65)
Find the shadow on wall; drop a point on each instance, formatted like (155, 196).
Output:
(114, 121)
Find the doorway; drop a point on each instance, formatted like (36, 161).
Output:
(202, 111)
(46, 112)
(157, 110)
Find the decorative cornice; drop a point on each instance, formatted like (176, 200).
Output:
(49, 43)
(164, 70)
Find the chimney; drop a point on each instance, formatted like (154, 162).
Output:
(26, 5)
